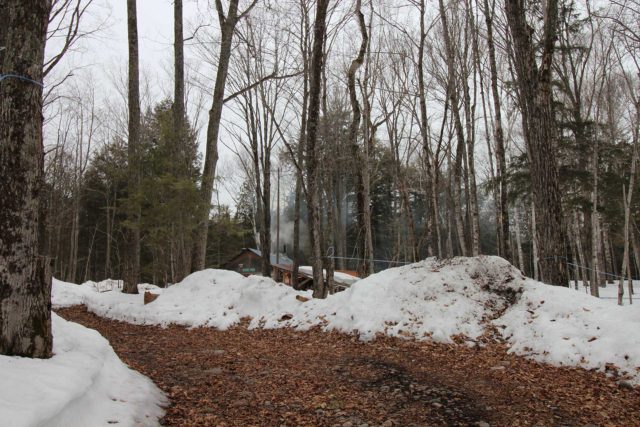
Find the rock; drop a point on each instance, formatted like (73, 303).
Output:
(483, 424)
(149, 297)
(286, 317)
(347, 424)
(385, 389)
(436, 405)
(301, 298)
(388, 423)
(218, 352)
(497, 368)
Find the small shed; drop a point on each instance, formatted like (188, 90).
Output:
(249, 261)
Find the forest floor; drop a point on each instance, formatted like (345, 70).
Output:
(242, 377)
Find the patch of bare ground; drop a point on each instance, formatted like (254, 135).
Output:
(281, 377)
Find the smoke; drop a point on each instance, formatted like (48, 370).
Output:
(286, 235)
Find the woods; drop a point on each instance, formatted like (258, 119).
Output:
(411, 154)
(393, 130)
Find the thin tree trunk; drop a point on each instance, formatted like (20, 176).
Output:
(25, 285)
(428, 155)
(579, 249)
(627, 197)
(534, 242)
(516, 214)
(313, 167)
(501, 163)
(227, 28)
(596, 244)
(132, 264)
(304, 43)
(357, 151)
(455, 109)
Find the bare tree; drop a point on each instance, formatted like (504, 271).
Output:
(227, 27)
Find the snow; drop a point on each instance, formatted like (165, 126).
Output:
(84, 383)
(440, 300)
(341, 277)
(563, 327)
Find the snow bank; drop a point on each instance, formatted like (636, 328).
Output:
(563, 327)
(83, 384)
(432, 299)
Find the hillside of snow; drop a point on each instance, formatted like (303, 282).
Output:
(83, 384)
(439, 300)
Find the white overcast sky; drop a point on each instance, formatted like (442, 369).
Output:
(105, 53)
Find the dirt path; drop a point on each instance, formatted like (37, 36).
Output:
(282, 377)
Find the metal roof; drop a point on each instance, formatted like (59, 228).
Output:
(283, 258)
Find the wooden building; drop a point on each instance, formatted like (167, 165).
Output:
(249, 261)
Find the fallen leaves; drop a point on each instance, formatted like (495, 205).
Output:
(243, 377)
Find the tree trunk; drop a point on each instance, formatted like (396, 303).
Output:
(596, 244)
(312, 159)
(534, 96)
(501, 163)
(627, 197)
(25, 286)
(227, 27)
(534, 243)
(426, 148)
(304, 43)
(356, 150)
(132, 264)
(518, 236)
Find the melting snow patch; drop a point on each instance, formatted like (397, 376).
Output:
(83, 384)
(433, 299)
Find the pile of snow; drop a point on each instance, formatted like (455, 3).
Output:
(439, 300)
(339, 276)
(434, 299)
(563, 327)
(83, 384)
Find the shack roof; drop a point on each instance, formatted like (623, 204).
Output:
(281, 259)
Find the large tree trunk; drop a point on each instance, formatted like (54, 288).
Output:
(132, 263)
(25, 287)
(534, 95)
(312, 160)
(227, 27)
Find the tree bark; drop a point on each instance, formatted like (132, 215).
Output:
(518, 237)
(312, 157)
(356, 150)
(25, 286)
(501, 163)
(132, 264)
(534, 96)
(227, 27)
